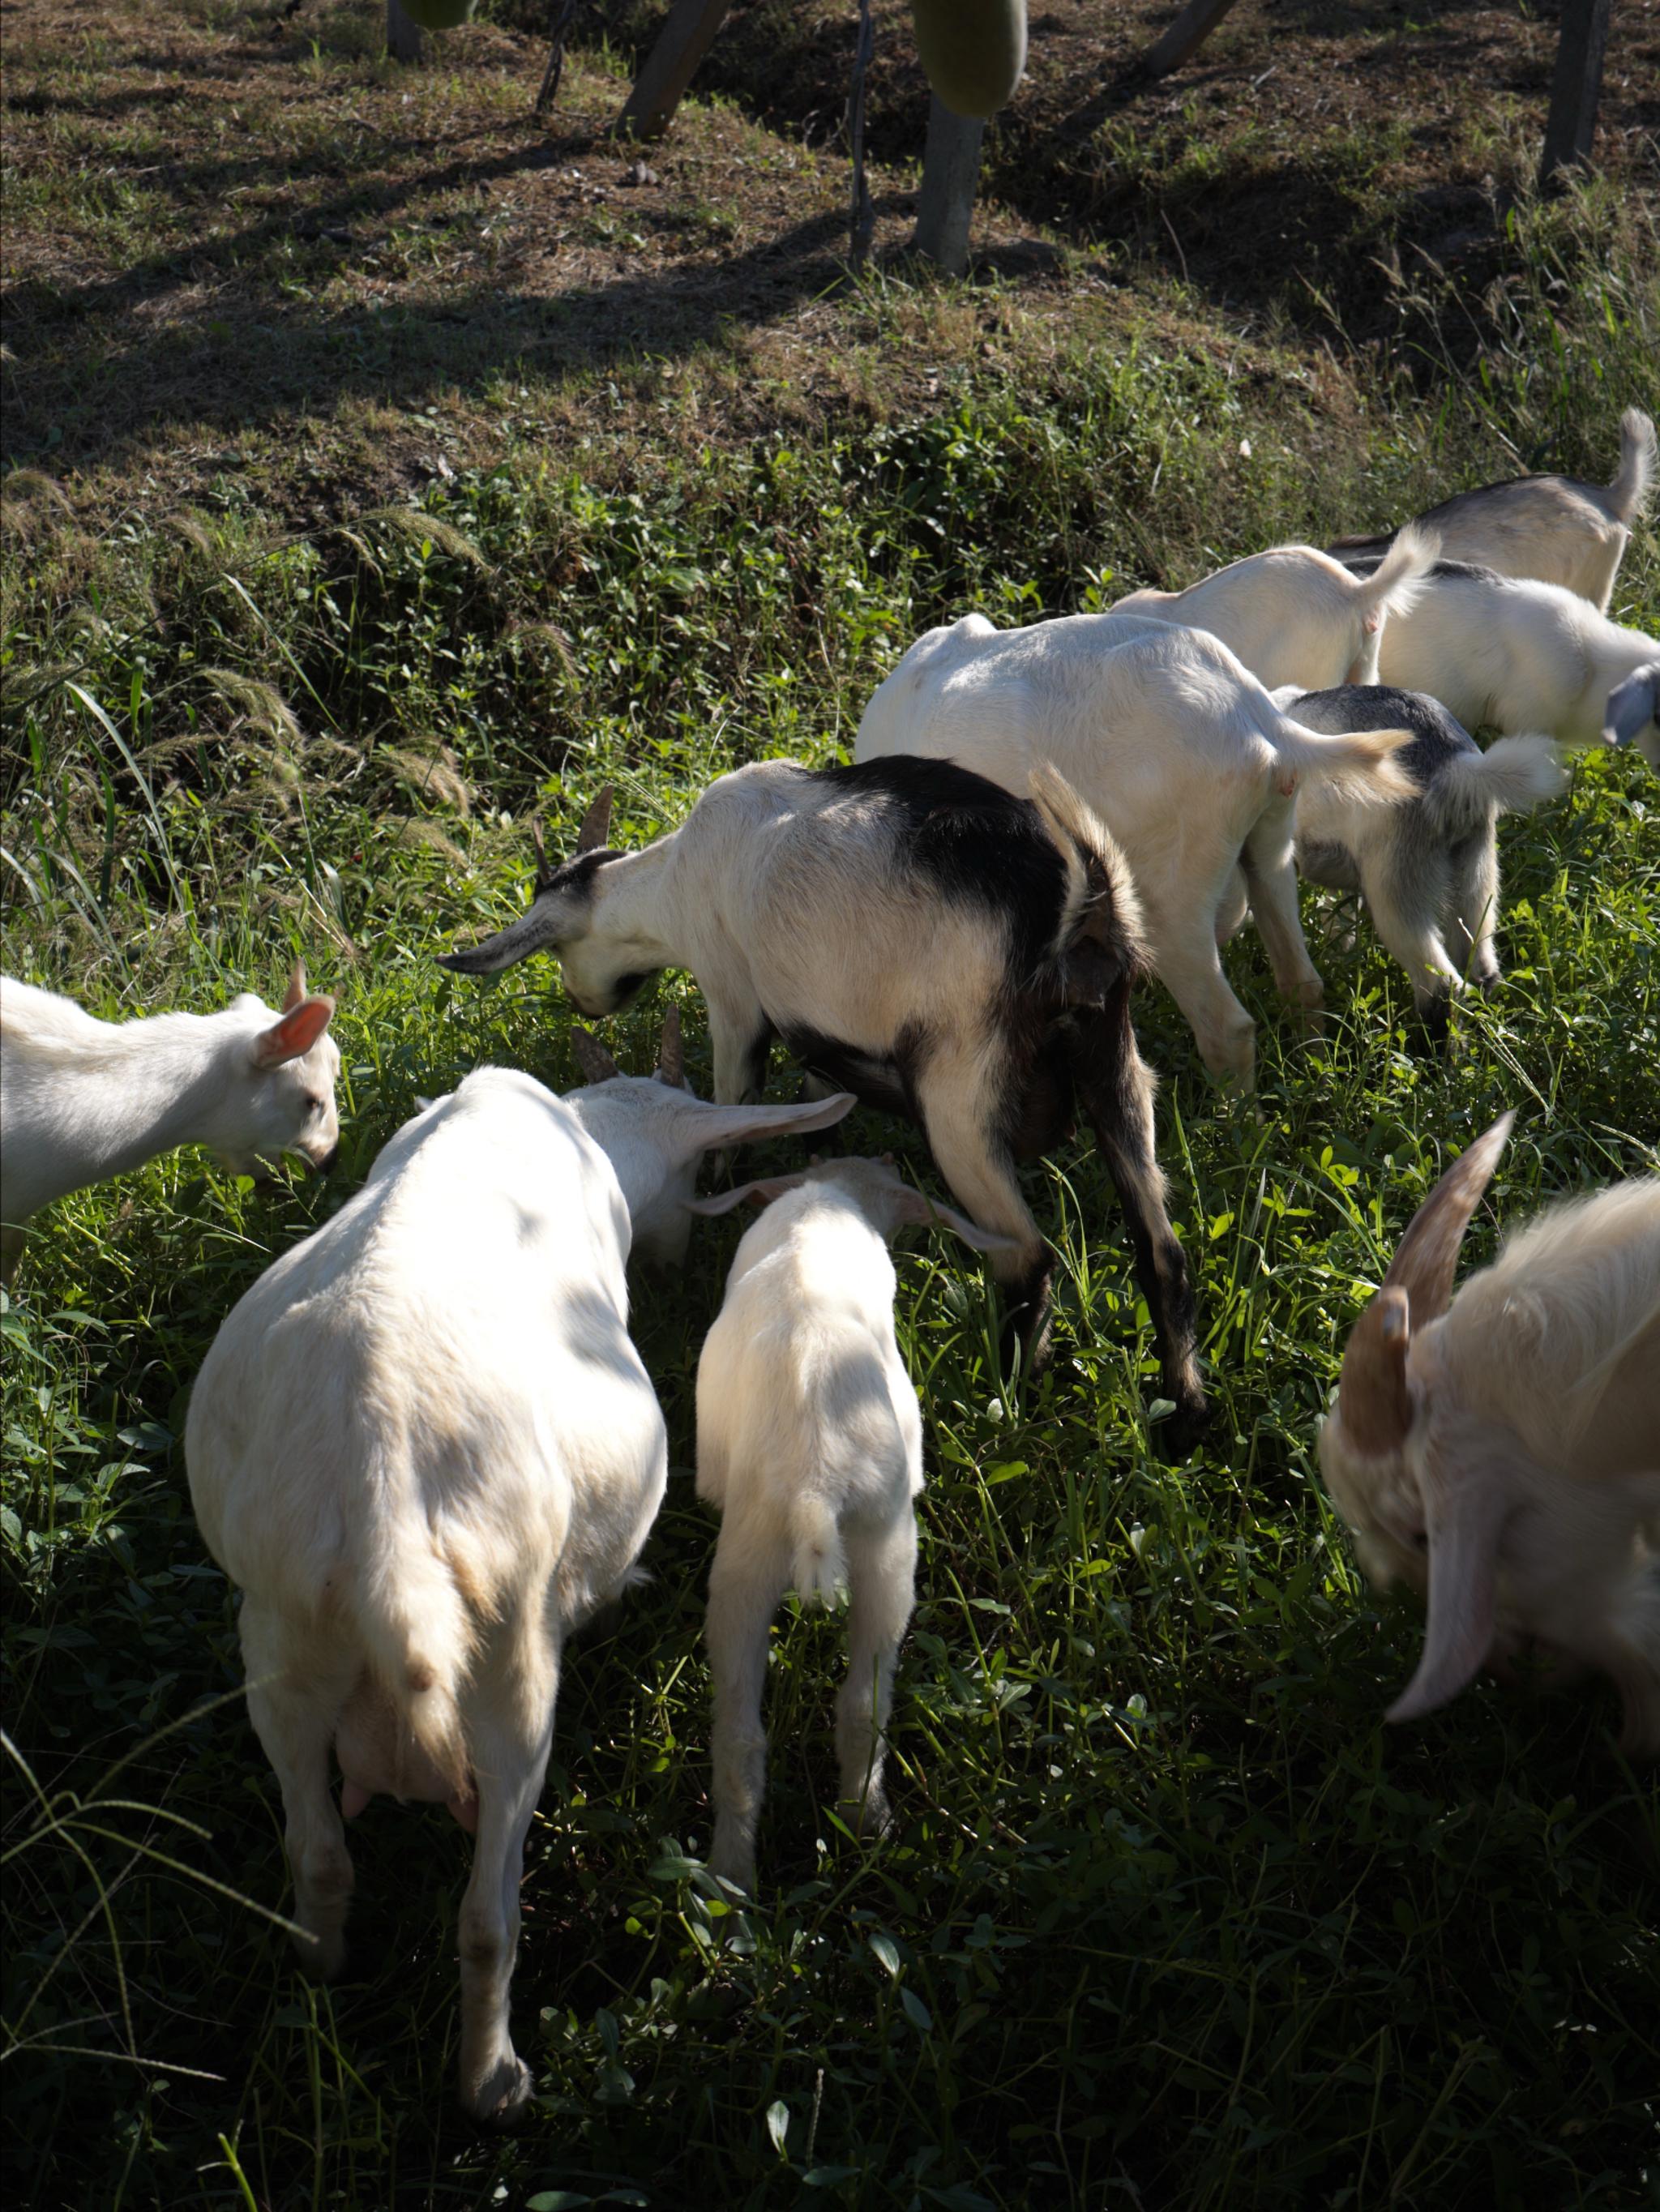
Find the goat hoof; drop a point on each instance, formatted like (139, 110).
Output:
(1175, 1436)
(500, 2099)
(320, 1958)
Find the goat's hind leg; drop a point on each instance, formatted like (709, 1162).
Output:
(1116, 1088)
(963, 1116)
(508, 1720)
(746, 1584)
(1271, 877)
(294, 1698)
(882, 1588)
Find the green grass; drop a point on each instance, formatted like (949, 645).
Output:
(1168, 1917)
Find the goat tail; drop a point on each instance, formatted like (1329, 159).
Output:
(1513, 776)
(1400, 576)
(820, 1569)
(1358, 767)
(1638, 461)
(417, 1638)
(1101, 899)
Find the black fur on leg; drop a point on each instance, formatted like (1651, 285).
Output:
(1114, 1088)
(1026, 1317)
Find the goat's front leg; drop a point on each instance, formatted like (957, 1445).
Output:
(509, 1726)
(740, 1037)
(882, 1589)
(750, 1574)
(1116, 1088)
(293, 1701)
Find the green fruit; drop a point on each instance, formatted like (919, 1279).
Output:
(438, 14)
(974, 51)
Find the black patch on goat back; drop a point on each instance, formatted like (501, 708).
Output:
(1437, 736)
(1366, 566)
(974, 844)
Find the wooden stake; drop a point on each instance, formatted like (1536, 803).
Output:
(1185, 36)
(950, 173)
(669, 67)
(1576, 87)
(403, 35)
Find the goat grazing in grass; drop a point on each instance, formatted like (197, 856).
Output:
(1427, 867)
(1521, 656)
(1553, 530)
(425, 1448)
(1182, 754)
(81, 1100)
(919, 937)
(1293, 615)
(810, 1441)
(1500, 1449)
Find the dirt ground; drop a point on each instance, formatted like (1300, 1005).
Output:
(230, 224)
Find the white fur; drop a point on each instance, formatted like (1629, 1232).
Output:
(1553, 530)
(1181, 752)
(424, 1447)
(1296, 616)
(810, 1442)
(1525, 1493)
(1516, 656)
(81, 1100)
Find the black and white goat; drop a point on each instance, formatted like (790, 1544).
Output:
(1553, 530)
(919, 937)
(1428, 866)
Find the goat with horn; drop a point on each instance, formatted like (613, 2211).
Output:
(1499, 1451)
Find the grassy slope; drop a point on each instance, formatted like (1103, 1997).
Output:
(1168, 1917)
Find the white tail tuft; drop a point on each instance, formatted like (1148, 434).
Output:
(820, 1572)
(1639, 460)
(1400, 576)
(1515, 775)
(1358, 767)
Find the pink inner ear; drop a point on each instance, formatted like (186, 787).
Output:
(295, 1034)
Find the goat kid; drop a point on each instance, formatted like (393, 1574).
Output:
(1182, 754)
(810, 1443)
(1500, 1449)
(1294, 615)
(424, 1448)
(1521, 656)
(1427, 867)
(81, 1100)
(1553, 530)
(916, 936)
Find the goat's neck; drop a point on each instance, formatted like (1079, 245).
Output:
(638, 905)
(147, 1090)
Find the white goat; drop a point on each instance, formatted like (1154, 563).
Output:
(1428, 868)
(1503, 1450)
(1181, 752)
(1518, 656)
(810, 1442)
(424, 1447)
(1556, 529)
(81, 1100)
(1293, 615)
(918, 937)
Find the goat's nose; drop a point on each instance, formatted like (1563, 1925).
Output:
(326, 1163)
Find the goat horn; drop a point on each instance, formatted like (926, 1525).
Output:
(544, 873)
(296, 994)
(595, 1063)
(671, 1057)
(596, 823)
(1427, 1258)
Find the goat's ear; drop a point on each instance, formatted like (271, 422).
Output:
(293, 1036)
(596, 823)
(1374, 1407)
(914, 1207)
(296, 992)
(707, 1128)
(764, 1190)
(1632, 705)
(1465, 1504)
(595, 1063)
(1428, 1257)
